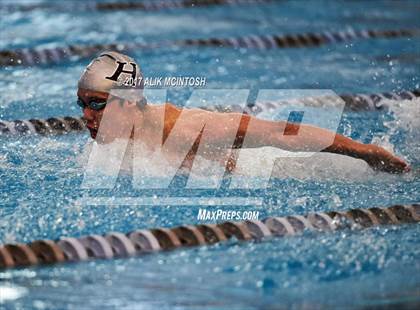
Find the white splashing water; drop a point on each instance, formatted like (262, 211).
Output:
(11, 292)
(254, 163)
(406, 116)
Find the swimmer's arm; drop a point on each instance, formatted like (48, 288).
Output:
(307, 138)
(287, 136)
(313, 138)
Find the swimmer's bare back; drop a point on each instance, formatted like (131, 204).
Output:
(271, 133)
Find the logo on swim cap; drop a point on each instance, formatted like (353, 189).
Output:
(120, 70)
(110, 70)
(115, 73)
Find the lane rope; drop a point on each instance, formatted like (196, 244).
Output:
(42, 56)
(147, 6)
(63, 125)
(138, 242)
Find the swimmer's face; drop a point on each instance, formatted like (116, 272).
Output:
(120, 112)
(91, 116)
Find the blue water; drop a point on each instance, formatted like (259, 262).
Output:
(40, 177)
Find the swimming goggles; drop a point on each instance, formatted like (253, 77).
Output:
(95, 104)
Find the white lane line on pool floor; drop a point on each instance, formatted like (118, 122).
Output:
(170, 201)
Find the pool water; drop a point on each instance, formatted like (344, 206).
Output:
(40, 177)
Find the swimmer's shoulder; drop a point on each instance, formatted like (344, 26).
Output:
(172, 111)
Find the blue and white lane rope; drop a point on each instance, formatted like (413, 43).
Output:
(139, 242)
(42, 56)
(63, 125)
(147, 6)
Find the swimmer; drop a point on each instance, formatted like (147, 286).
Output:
(110, 69)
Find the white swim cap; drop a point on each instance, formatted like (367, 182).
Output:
(114, 73)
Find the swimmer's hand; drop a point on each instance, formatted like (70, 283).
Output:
(380, 159)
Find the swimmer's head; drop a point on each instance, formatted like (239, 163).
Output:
(116, 74)
(111, 73)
